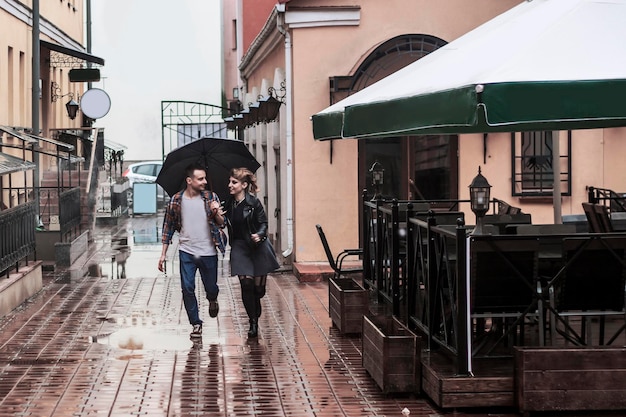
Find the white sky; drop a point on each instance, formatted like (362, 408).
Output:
(154, 50)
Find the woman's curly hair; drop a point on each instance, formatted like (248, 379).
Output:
(245, 175)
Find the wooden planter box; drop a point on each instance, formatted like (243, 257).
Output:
(575, 378)
(347, 303)
(391, 354)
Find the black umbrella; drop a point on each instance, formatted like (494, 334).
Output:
(217, 155)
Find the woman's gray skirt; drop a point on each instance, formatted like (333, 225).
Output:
(255, 262)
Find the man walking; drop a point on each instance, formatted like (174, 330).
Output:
(196, 214)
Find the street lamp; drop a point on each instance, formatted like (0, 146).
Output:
(480, 191)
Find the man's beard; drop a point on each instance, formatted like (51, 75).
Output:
(198, 188)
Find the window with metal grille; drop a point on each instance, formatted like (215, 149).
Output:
(533, 171)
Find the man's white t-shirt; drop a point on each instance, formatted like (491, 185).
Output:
(195, 234)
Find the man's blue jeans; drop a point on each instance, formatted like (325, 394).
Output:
(189, 264)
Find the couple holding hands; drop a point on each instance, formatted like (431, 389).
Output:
(199, 218)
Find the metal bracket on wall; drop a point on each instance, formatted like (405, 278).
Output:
(485, 135)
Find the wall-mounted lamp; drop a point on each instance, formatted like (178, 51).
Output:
(378, 178)
(72, 109)
(71, 106)
(480, 192)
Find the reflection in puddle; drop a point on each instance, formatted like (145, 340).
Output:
(151, 339)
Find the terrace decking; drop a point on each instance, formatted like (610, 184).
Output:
(492, 309)
(536, 379)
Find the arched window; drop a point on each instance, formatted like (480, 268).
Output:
(416, 167)
(387, 58)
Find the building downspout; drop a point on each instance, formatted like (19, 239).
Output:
(280, 25)
(243, 84)
(35, 90)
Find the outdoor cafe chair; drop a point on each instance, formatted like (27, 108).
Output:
(336, 262)
(598, 218)
(504, 289)
(590, 284)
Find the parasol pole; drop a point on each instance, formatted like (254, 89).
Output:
(556, 182)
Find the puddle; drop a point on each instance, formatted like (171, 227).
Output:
(138, 339)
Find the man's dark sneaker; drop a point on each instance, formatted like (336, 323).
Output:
(214, 308)
(197, 331)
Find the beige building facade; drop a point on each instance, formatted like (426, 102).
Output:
(61, 48)
(61, 23)
(321, 51)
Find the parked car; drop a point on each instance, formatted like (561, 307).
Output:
(144, 172)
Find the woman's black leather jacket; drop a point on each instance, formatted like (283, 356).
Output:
(254, 216)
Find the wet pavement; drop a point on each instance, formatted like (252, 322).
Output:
(109, 337)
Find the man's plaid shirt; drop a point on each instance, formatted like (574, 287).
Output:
(173, 222)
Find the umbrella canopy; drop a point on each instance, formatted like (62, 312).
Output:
(217, 155)
(544, 64)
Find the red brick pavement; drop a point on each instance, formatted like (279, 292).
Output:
(103, 345)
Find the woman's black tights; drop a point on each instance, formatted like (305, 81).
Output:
(252, 290)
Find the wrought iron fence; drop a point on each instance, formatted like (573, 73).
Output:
(69, 211)
(441, 280)
(616, 202)
(61, 209)
(17, 234)
(414, 262)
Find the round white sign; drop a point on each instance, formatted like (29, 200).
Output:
(95, 103)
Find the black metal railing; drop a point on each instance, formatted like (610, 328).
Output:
(434, 276)
(616, 202)
(411, 260)
(61, 210)
(69, 211)
(17, 235)
(430, 271)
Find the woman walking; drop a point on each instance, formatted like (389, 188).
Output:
(252, 256)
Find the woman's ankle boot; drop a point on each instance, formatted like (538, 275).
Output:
(254, 328)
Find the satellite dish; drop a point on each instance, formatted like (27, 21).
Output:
(95, 103)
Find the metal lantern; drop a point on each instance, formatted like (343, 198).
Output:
(378, 177)
(72, 109)
(480, 193)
